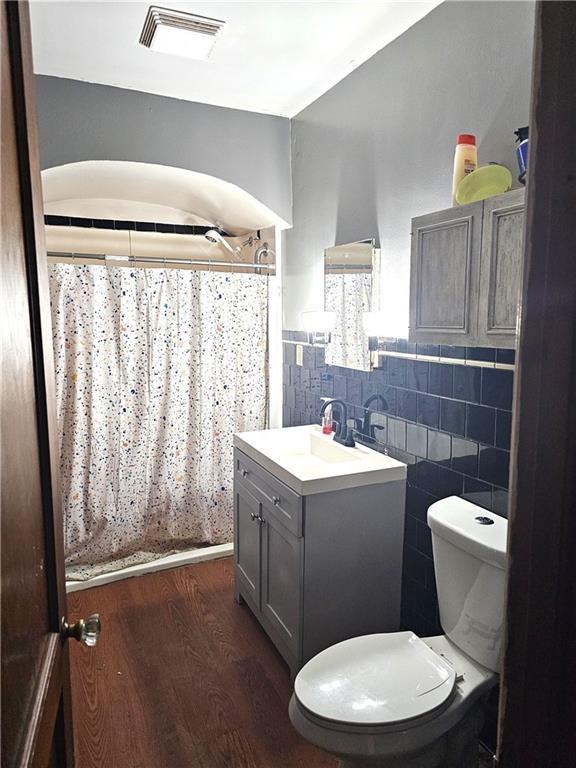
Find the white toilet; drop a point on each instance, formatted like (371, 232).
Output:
(397, 701)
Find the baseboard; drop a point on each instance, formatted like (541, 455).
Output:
(170, 561)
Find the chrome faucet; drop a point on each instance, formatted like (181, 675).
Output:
(365, 425)
(342, 434)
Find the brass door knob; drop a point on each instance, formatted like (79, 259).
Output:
(86, 631)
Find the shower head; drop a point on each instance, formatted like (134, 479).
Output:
(215, 237)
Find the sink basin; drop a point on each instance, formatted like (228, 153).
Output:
(315, 445)
(310, 462)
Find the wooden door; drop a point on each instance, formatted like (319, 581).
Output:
(444, 274)
(538, 685)
(36, 721)
(501, 269)
(247, 544)
(281, 581)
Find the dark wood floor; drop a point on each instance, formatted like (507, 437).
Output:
(182, 676)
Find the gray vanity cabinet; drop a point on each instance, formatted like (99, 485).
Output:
(247, 544)
(465, 274)
(317, 569)
(280, 593)
(268, 550)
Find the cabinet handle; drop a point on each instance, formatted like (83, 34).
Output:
(244, 473)
(276, 500)
(254, 516)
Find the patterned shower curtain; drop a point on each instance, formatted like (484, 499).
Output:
(155, 371)
(349, 296)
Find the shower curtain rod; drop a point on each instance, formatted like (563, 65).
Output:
(104, 257)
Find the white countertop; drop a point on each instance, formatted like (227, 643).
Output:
(309, 462)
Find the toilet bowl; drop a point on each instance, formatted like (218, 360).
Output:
(381, 700)
(399, 701)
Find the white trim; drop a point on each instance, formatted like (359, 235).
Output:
(301, 343)
(449, 360)
(429, 358)
(275, 348)
(170, 561)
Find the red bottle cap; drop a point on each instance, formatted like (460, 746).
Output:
(466, 138)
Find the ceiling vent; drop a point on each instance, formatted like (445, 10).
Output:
(179, 33)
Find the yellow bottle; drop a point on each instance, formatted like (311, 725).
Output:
(465, 160)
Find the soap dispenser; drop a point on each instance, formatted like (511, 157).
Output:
(327, 424)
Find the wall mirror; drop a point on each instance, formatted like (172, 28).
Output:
(351, 287)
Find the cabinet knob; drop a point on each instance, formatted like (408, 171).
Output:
(244, 473)
(256, 517)
(276, 500)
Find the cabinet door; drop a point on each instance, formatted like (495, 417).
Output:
(247, 545)
(444, 275)
(501, 269)
(281, 579)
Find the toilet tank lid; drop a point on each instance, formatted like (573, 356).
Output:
(471, 528)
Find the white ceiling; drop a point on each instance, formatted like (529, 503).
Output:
(274, 57)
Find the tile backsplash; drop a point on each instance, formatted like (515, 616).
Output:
(450, 423)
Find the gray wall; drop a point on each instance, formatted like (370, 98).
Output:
(82, 121)
(378, 148)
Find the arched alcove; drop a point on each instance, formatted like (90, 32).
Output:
(134, 191)
(112, 189)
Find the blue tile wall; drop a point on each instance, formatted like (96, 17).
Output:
(139, 226)
(449, 423)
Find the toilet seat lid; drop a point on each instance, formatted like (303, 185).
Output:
(375, 679)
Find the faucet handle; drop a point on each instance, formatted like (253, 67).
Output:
(349, 442)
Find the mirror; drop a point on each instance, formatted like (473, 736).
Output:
(351, 287)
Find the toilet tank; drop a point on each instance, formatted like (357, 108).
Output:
(469, 546)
